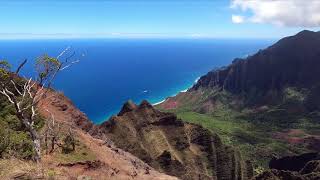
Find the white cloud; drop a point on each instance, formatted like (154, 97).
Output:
(293, 13)
(237, 19)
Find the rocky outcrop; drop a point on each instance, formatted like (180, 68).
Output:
(127, 107)
(172, 146)
(292, 61)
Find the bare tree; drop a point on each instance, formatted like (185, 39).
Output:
(52, 133)
(25, 95)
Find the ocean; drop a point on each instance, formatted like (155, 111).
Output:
(112, 71)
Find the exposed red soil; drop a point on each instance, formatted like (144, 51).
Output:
(299, 137)
(169, 104)
(112, 163)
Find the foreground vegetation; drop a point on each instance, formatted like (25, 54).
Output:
(14, 139)
(16, 149)
(25, 135)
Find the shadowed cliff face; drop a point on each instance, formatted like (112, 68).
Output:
(173, 146)
(292, 61)
(293, 163)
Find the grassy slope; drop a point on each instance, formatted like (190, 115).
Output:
(252, 133)
(81, 154)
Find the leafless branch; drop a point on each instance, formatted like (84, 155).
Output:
(63, 52)
(70, 64)
(20, 66)
(69, 57)
(15, 87)
(9, 98)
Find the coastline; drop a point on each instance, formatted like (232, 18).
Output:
(185, 90)
(107, 117)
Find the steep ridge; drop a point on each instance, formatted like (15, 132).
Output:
(63, 109)
(292, 61)
(172, 146)
(116, 163)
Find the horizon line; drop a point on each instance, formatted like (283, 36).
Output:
(154, 37)
(31, 36)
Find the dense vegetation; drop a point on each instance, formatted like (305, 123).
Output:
(261, 133)
(15, 141)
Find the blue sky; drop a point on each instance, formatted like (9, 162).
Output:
(132, 18)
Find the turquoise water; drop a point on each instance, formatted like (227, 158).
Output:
(112, 71)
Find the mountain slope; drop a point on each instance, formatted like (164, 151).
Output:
(267, 104)
(94, 158)
(292, 61)
(173, 146)
(169, 145)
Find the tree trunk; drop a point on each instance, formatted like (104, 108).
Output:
(36, 144)
(35, 139)
(46, 142)
(53, 142)
(37, 149)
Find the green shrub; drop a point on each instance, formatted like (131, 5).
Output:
(21, 145)
(69, 143)
(4, 142)
(14, 140)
